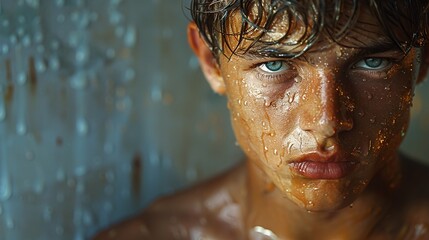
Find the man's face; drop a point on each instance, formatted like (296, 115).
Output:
(322, 125)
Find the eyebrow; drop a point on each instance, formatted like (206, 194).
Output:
(370, 47)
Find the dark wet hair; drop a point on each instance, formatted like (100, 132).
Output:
(405, 22)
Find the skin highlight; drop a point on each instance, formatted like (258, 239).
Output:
(320, 131)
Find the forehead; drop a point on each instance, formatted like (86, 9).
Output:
(265, 25)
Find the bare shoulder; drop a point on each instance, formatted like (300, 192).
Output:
(412, 206)
(195, 213)
(408, 217)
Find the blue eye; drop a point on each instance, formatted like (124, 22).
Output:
(373, 63)
(273, 66)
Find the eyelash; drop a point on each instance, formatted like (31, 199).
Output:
(389, 63)
(375, 72)
(280, 77)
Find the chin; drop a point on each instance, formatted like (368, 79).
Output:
(323, 206)
(325, 195)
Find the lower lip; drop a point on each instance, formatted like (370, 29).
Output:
(323, 170)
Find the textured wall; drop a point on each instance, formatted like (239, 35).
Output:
(102, 108)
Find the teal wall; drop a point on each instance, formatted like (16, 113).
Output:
(103, 108)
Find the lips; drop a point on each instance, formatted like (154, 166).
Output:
(317, 166)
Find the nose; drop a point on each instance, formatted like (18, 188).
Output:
(327, 110)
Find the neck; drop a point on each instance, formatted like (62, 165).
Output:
(268, 212)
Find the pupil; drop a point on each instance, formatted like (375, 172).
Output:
(373, 62)
(274, 66)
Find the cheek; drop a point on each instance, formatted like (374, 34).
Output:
(259, 113)
(382, 112)
(247, 116)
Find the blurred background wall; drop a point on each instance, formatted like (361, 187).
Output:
(103, 108)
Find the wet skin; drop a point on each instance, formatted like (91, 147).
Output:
(321, 134)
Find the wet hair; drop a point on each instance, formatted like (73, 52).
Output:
(405, 22)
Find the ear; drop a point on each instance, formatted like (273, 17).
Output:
(424, 65)
(208, 62)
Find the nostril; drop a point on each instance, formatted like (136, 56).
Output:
(329, 145)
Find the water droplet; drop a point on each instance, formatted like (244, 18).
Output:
(129, 74)
(38, 187)
(21, 79)
(54, 63)
(40, 66)
(276, 152)
(5, 23)
(289, 147)
(267, 102)
(47, 214)
(5, 188)
(20, 31)
(130, 36)
(265, 149)
(13, 39)
(2, 111)
(259, 232)
(403, 132)
(297, 79)
(82, 55)
(26, 41)
(59, 3)
(81, 126)
(5, 49)
(38, 37)
(21, 128)
(291, 98)
(9, 223)
(78, 81)
(420, 230)
(114, 17)
(156, 93)
(372, 120)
